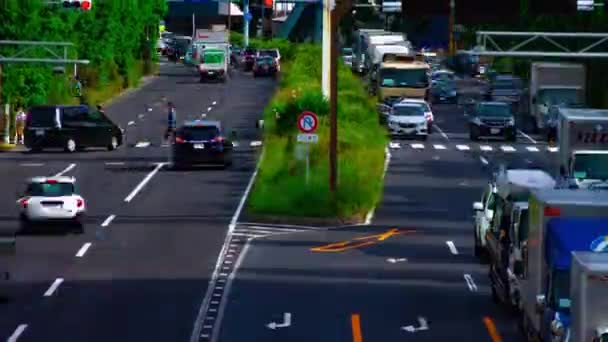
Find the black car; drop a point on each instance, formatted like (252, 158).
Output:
(505, 88)
(493, 119)
(444, 91)
(265, 66)
(71, 127)
(201, 142)
(248, 58)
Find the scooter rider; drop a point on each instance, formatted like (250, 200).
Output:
(171, 120)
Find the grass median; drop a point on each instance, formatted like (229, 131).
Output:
(280, 188)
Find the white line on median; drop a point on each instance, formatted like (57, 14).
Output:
(114, 163)
(131, 123)
(483, 160)
(214, 103)
(452, 247)
(441, 131)
(66, 170)
(144, 182)
(83, 250)
(53, 287)
(32, 164)
(17, 333)
(527, 136)
(470, 282)
(209, 109)
(108, 220)
(387, 160)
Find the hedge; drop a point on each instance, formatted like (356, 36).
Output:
(280, 188)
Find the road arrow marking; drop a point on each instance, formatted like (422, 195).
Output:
(393, 260)
(286, 322)
(412, 329)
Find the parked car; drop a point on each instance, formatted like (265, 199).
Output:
(265, 66)
(70, 127)
(274, 53)
(408, 119)
(494, 119)
(248, 58)
(201, 142)
(51, 200)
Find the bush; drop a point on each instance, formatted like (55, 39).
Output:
(281, 188)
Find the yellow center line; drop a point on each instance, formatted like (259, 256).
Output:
(355, 321)
(492, 329)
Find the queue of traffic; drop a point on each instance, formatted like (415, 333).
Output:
(544, 238)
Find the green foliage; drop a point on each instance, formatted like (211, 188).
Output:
(280, 188)
(116, 36)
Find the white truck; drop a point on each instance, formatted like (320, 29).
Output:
(374, 58)
(554, 84)
(546, 205)
(360, 46)
(376, 40)
(583, 146)
(214, 50)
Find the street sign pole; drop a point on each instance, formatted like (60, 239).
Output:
(247, 15)
(307, 163)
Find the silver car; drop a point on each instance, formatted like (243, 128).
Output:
(48, 200)
(408, 119)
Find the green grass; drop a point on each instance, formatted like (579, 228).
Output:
(280, 188)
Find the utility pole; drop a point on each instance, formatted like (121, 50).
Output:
(326, 48)
(333, 102)
(451, 47)
(229, 15)
(246, 23)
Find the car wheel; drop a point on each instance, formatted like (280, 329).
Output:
(113, 144)
(70, 145)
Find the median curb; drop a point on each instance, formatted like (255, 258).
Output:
(7, 147)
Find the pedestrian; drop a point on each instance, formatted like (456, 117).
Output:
(20, 119)
(171, 120)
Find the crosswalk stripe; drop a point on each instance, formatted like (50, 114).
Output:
(552, 149)
(394, 145)
(485, 148)
(417, 146)
(507, 148)
(532, 148)
(463, 147)
(439, 147)
(142, 144)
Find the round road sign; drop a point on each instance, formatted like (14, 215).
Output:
(308, 122)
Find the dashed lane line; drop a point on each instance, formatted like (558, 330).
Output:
(452, 247)
(17, 333)
(143, 183)
(66, 170)
(470, 283)
(54, 286)
(83, 250)
(108, 220)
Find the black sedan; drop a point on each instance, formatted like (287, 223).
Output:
(265, 66)
(493, 119)
(201, 142)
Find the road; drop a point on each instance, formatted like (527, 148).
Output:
(410, 275)
(141, 269)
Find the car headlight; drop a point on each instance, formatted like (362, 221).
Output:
(511, 122)
(477, 121)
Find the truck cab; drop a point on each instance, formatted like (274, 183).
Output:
(401, 76)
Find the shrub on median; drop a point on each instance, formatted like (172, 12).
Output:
(281, 188)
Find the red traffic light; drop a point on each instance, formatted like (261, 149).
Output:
(268, 3)
(85, 5)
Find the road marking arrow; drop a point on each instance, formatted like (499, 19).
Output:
(286, 322)
(412, 329)
(393, 260)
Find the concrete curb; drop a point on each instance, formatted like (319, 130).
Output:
(142, 83)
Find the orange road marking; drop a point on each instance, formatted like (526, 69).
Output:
(492, 329)
(355, 322)
(350, 244)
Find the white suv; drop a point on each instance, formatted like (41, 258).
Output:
(51, 200)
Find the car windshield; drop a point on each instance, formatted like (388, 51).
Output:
(42, 117)
(271, 53)
(495, 110)
(507, 84)
(408, 111)
(559, 96)
(50, 189)
(411, 78)
(591, 166)
(199, 133)
(425, 107)
(265, 60)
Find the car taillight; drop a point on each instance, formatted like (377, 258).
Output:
(179, 140)
(23, 203)
(79, 203)
(218, 139)
(51, 181)
(552, 211)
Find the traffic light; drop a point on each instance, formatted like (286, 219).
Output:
(84, 5)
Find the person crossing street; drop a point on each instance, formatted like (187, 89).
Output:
(171, 121)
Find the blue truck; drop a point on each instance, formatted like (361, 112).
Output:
(573, 305)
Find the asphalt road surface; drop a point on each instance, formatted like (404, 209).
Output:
(410, 275)
(141, 269)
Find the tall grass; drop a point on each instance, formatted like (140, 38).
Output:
(281, 187)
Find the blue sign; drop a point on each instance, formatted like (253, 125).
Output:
(600, 244)
(248, 16)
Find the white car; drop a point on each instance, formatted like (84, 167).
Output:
(407, 119)
(428, 113)
(51, 200)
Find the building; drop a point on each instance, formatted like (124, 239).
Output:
(179, 16)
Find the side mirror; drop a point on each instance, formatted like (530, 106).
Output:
(477, 206)
(540, 303)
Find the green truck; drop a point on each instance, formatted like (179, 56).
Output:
(214, 64)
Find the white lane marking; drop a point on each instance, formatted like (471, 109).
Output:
(552, 149)
(452, 247)
(32, 164)
(394, 145)
(417, 146)
(209, 109)
(142, 144)
(17, 333)
(144, 182)
(53, 287)
(83, 250)
(485, 148)
(131, 123)
(214, 103)
(441, 131)
(387, 160)
(439, 147)
(115, 163)
(66, 170)
(532, 148)
(470, 282)
(255, 143)
(228, 241)
(507, 148)
(108, 220)
(235, 144)
(527, 136)
(483, 160)
(463, 147)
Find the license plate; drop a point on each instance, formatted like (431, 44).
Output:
(442, 98)
(494, 130)
(199, 146)
(211, 72)
(39, 132)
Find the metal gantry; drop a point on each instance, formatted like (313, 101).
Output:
(487, 45)
(57, 51)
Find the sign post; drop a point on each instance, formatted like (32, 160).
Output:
(307, 124)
